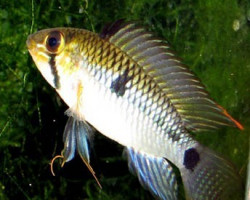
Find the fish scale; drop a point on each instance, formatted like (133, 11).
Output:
(144, 86)
(143, 93)
(131, 87)
(146, 97)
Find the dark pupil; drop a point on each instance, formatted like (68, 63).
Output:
(52, 42)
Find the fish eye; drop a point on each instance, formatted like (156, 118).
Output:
(54, 42)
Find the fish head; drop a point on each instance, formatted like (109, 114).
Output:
(56, 52)
(58, 56)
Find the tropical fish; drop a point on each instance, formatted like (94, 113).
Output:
(131, 87)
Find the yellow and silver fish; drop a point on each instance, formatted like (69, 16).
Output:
(130, 86)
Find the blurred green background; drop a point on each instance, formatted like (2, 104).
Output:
(212, 37)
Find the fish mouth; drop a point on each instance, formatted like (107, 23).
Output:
(35, 46)
(36, 49)
(36, 39)
(30, 43)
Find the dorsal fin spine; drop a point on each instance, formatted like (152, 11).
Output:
(159, 62)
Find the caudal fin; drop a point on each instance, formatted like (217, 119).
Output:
(208, 176)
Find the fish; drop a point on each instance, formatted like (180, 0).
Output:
(129, 85)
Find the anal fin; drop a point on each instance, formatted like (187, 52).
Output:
(154, 173)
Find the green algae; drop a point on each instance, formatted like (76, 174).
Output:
(211, 36)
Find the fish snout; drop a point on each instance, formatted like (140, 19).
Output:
(30, 43)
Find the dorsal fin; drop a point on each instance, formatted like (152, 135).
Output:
(198, 111)
(111, 28)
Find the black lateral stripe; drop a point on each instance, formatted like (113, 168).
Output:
(52, 64)
(118, 86)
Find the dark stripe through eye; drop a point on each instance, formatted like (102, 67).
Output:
(52, 64)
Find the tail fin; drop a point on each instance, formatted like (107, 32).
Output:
(154, 173)
(211, 177)
(247, 197)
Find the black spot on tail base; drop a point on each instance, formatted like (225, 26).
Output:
(118, 86)
(191, 158)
